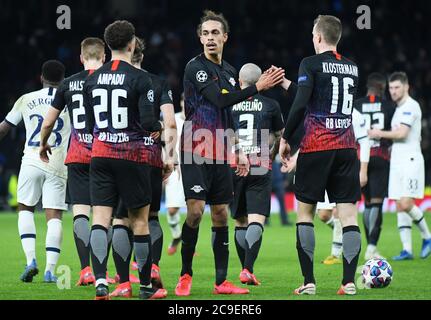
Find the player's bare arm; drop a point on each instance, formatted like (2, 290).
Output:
(4, 129)
(398, 134)
(276, 145)
(47, 127)
(170, 137)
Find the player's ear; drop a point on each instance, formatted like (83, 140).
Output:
(201, 39)
(81, 58)
(104, 58)
(225, 37)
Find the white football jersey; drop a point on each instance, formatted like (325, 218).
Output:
(359, 124)
(409, 114)
(32, 108)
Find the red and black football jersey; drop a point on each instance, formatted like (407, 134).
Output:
(69, 94)
(328, 117)
(201, 113)
(119, 99)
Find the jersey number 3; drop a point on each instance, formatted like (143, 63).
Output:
(346, 96)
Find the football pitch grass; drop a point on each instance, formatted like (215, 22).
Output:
(277, 266)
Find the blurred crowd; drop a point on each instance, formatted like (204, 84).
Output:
(263, 32)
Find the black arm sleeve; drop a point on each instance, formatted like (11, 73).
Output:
(212, 93)
(148, 119)
(296, 114)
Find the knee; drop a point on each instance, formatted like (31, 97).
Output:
(172, 211)
(219, 216)
(404, 205)
(325, 215)
(194, 216)
(241, 222)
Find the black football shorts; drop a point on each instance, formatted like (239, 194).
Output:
(78, 184)
(252, 195)
(336, 171)
(378, 179)
(111, 179)
(210, 182)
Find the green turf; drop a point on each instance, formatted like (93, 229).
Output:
(277, 266)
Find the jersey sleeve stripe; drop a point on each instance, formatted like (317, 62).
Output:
(406, 124)
(10, 123)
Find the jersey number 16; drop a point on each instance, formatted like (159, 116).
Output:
(346, 96)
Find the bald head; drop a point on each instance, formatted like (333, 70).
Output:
(249, 74)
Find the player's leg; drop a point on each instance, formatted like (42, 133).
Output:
(337, 237)
(78, 195)
(253, 242)
(189, 232)
(137, 198)
(238, 211)
(344, 189)
(195, 191)
(241, 224)
(312, 174)
(377, 190)
(374, 223)
(104, 197)
(30, 181)
(54, 237)
(53, 200)
(175, 200)
(305, 244)
(408, 205)
(122, 247)
(404, 223)
(220, 195)
(154, 225)
(258, 208)
(351, 246)
(27, 232)
(174, 219)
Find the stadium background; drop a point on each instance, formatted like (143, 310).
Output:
(263, 32)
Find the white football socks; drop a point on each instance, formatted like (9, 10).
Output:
(174, 224)
(418, 218)
(54, 237)
(337, 239)
(405, 229)
(27, 232)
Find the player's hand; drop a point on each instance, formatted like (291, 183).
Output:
(155, 135)
(284, 152)
(374, 134)
(168, 168)
(270, 78)
(242, 164)
(363, 178)
(43, 152)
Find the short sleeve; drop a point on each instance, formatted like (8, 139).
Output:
(277, 119)
(305, 74)
(198, 74)
(408, 116)
(359, 125)
(166, 96)
(14, 117)
(59, 101)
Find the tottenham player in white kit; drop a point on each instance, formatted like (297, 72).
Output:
(39, 179)
(174, 193)
(407, 169)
